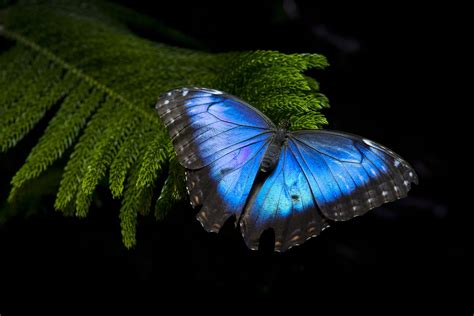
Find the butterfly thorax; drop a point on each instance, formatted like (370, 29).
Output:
(272, 154)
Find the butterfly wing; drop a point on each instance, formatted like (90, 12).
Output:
(284, 202)
(350, 175)
(221, 141)
(323, 175)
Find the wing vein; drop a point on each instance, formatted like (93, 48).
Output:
(240, 142)
(315, 180)
(244, 125)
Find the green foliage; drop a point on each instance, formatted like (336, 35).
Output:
(81, 61)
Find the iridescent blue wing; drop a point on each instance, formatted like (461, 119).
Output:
(220, 140)
(284, 203)
(323, 175)
(348, 174)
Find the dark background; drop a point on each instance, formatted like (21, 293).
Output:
(385, 82)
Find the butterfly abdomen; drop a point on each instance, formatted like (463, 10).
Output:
(272, 154)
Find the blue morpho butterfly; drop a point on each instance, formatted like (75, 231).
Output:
(240, 164)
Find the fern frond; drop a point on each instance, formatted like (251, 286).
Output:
(62, 131)
(76, 167)
(136, 200)
(98, 82)
(173, 190)
(155, 156)
(129, 153)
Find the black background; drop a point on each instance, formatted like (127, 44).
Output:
(385, 82)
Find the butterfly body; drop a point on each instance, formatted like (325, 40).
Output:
(239, 164)
(272, 154)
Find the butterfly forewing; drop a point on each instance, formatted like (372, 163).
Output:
(348, 174)
(221, 141)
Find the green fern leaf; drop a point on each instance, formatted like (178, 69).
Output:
(78, 61)
(143, 135)
(173, 190)
(154, 158)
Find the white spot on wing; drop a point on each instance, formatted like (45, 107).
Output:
(396, 163)
(167, 101)
(215, 91)
(185, 92)
(368, 142)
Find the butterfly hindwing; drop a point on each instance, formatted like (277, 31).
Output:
(220, 140)
(224, 186)
(285, 204)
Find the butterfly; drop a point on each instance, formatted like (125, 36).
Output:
(239, 163)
